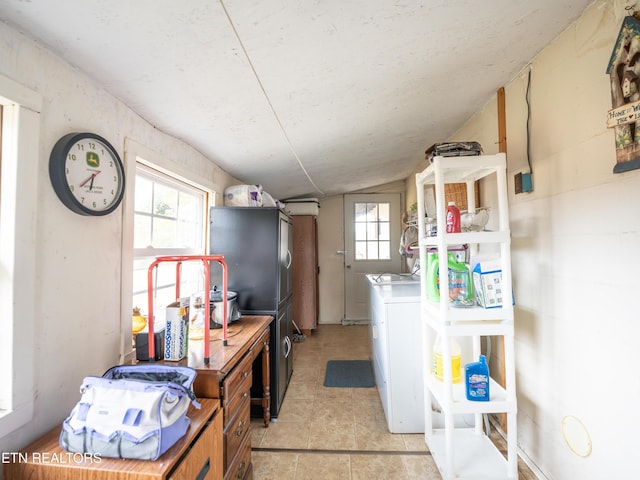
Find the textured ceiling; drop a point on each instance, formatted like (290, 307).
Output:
(306, 97)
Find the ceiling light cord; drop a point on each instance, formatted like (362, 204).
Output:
(266, 96)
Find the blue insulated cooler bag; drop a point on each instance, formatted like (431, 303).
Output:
(132, 411)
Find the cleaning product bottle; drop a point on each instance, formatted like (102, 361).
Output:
(477, 380)
(459, 282)
(453, 218)
(438, 368)
(432, 276)
(458, 275)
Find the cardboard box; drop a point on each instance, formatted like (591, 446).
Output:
(176, 345)
(487, 281)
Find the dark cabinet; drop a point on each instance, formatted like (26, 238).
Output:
(256, 244)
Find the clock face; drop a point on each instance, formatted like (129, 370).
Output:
(87, 174)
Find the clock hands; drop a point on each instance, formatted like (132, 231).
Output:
(90, 179)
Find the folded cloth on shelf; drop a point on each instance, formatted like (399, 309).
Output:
(453, 149)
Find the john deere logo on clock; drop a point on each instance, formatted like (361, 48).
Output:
(93, 160)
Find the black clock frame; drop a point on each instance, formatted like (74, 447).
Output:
(57, 165)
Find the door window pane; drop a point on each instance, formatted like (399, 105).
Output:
(372, 231)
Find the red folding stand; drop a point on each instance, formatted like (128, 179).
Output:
(178, 259)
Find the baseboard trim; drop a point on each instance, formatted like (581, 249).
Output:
(355, 321)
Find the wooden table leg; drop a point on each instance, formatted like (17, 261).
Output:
(266, 383)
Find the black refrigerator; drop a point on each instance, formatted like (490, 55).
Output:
(256, 244)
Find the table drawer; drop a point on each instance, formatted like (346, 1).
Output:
(236, 431)
(202, 460)
(233, 382)
(233, 405)
(241, 465)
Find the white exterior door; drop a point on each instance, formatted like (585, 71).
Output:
(372, 228)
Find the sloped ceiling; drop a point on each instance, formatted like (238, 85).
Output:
(306, 97)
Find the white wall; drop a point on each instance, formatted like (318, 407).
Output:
(78, 259)
(574, 254)
(331, 263)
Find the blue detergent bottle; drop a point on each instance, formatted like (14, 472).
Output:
(477, 380)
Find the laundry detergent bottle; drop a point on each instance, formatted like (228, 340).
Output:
(432, 276)
(458, 276)
(438, 361)
(453, 218)
(477, 380)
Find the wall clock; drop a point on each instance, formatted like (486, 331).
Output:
(87, 174)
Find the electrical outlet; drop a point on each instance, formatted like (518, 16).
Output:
(527, 182)
(518, 182)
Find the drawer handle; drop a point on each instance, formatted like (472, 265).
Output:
(245, 374)
(240, 473)
(240, 428)
(245, 394)
(205, 469)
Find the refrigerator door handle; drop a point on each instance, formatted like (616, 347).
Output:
(287, 344)
(289, 259)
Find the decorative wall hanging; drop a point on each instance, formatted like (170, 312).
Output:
(624, 74)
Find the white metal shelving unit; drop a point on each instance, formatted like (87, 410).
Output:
(466, 453)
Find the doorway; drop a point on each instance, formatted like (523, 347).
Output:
(372, 232)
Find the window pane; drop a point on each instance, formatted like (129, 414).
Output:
(384, 231)
(164, 233)
(187, 235)
(361, 251)
(361, 212)
(372, 250)
(142, 236)
(361, 231)
(372, 231)
(384, 250)
(144, 195)
(383, 212)
(189, 210)
(372, 212)
(165, 201)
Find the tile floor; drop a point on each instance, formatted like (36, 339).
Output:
(336, 433)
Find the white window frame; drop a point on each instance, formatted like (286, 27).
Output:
(18, 223)
(136, 153)
(168, 289)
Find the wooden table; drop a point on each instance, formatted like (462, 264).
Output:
(195, 455)
(248, 336)
(217, 443)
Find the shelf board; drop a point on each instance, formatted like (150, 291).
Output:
(485, 236)
(475, 456)
(462, 169)
(478, 316)
(499, 400)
